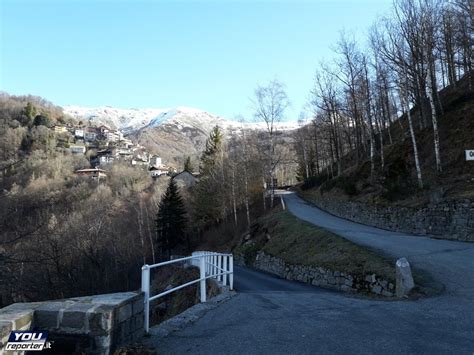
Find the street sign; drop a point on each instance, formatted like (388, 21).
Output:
(469, 154)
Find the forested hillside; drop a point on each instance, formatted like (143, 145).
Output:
(61, 234)
(391, 124)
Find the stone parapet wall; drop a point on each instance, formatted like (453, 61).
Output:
(92, 325)
(449, 220)
(322, 277)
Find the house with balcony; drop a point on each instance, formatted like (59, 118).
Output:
(93, 173)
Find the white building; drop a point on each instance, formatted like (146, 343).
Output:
(77, 149)
(156, 171)
(106, 159)
(112, 136)
(155, 160)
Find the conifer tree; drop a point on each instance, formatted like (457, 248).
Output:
(30, 110)
(211, 154)
(209, 194)
(171, 220)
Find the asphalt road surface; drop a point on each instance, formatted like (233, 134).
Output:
(275, 316)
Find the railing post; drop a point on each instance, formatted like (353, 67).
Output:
(202, 274)
(225, 260)
(231, 272)
(219, 266)
(214, 265)
(146, 291)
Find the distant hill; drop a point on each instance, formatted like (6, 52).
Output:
(174, 133)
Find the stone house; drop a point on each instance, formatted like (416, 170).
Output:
(93, 173)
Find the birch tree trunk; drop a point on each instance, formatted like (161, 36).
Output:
(404, 98)
(434, 120)
(234, 203)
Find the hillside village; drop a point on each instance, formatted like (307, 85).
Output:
(104, 146)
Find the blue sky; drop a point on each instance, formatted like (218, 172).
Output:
(204, 54)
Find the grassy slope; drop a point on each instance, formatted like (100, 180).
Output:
(301, 243)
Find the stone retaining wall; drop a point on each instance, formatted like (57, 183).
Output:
(91, 325)
(448, 220)
(322, 277)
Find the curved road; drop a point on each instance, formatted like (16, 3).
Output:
(274, 316)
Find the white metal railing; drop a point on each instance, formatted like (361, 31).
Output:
(211, 265)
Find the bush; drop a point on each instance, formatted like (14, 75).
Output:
(42, 120)
(396, 180)
(313, 181)
(341, 182)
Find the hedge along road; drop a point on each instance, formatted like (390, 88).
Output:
(274, 316)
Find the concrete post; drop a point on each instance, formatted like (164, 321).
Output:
(214, 262)
(231, 270)
(404, 278)
(202, 283)
(225, 260)
(146, 291)
(219, 266)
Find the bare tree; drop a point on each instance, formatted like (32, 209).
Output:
(269, 104)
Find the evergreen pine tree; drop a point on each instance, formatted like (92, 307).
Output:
(28, 114)
(209, 193)
(171, 220)
(30, 110)
(211, 153)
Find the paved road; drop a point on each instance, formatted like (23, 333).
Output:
(450, 263)
(273, 316)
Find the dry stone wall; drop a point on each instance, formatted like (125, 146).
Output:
(449, 219)
(322, 277)
(92, 325)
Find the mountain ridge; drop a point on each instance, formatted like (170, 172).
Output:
(134, 119)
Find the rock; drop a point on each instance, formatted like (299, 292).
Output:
(404, 278)
(370, 278)
(377, 289)
(387, 294)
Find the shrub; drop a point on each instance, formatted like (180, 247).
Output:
(313, 181)
(341, 182)
(396, 180)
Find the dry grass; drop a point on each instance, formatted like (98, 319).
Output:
(297, 242)
(177, 302)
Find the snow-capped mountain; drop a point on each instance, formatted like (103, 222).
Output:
(130, 120)
(123, 119)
